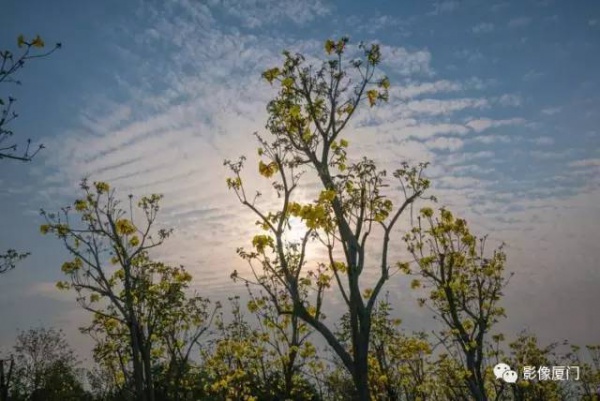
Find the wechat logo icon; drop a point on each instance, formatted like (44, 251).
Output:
(504, 372)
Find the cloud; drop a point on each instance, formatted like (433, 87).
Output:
(593, 22)
(414, 89)
(509, 100)
(433, 107)
(543, 140)
(445, 6)
(549, 154)
(445, 143)
(500, 6)
(470, 55)
(532, 75)
(399, 60)
(487, 139)
(257, 13)
(585, 163)
(483, 124)
(550, 111)
(411, 89)
(519, 22)
(483, 27)
(378, 23)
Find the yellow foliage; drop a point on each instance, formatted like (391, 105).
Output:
(38, 42)
(267, 170)
(372, 96)
(125, 227)
(327, 195)
(134, 241)
(260, 242)
(102, 187)
(427, 211)
(80, 205)
(329, 46)
(271, 74)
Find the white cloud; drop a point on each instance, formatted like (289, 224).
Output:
(509, 100)
(548, 154)
(585, 163)
(532, 75)
(399, 60)
(500, 6)
(444, 6)
(470, 55)
(483, 27)
(551, 111)
(445, 143)
(434, 107)
(483, 124)
(411, 89)
(256, 13)
(414, 89)
(422, 131)
(543, 140)
(519, 22)
(487, 139)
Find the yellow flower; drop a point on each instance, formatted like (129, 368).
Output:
(134, 241)
(267, 170)
(21, 40)
(101, 187)
(329, 46)
(80, 205)
(38, 42)
(427, 212)
(125, 227)
(372, 96)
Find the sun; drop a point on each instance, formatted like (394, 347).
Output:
(296, 232)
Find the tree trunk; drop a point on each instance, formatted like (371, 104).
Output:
(149, 381)
(5, 378)
(475, 385)
(138, 375)
(361, 374)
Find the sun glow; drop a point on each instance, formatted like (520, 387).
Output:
(296, 231)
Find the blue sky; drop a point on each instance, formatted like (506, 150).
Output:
(500, 96)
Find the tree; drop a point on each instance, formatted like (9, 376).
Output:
(235, 363)
(306, 120)
(6, 371)
(588, 385)
(141, 312)
(292, 356)
(269, 362)
(525, 351)
(399, 365)
(10, 64)
(45, 367)
(465, 288)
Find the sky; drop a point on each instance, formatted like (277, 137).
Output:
(501, 97)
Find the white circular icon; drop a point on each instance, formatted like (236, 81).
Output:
(510, 376)
(500, 369)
